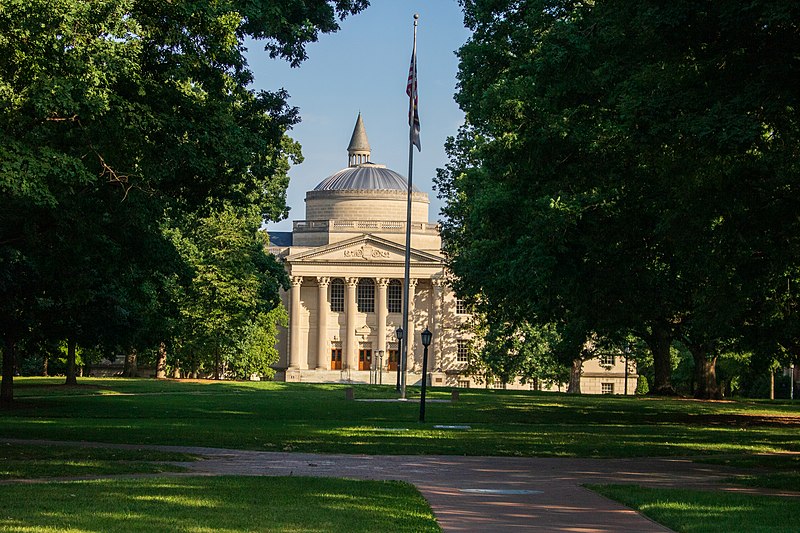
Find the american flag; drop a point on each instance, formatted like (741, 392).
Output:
(413, 101)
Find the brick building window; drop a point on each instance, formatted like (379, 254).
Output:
(607, 388)
(337, 296)
(461, 307)
(463, 383)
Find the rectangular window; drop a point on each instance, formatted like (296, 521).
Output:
(461, 307)
(366, 296)
(462, 351)
(607, 360)
(607, 388)
(337, 296)
(395, 297)
(463, 383)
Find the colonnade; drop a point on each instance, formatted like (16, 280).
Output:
(300, 360)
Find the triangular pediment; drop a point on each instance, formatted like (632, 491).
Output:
(363, 249)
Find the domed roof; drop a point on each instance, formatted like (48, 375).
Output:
(359, 141)
(367, 176)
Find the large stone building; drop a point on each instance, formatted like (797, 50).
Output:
(346, 264)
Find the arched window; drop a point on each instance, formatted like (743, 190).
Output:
(366, 295)
(337, 296)
(395, 296)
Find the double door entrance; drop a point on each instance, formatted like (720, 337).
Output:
(364, 358)
(336, 359)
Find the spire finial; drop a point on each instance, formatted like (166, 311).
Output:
(358, 151)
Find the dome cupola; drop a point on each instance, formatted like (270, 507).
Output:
(358, 151)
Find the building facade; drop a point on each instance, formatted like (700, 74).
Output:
(346, 265)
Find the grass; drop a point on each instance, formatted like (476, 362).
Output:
(219, 504)
(696, 511)
(32, 462)
(778, 472)
(317, 418)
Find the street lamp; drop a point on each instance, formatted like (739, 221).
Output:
(380, 367)
(426, 341)
(399, 334)
(627, 354)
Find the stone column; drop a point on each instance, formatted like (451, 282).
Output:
(323, 308)
(350, 345)
(294, 323)
(411, 334)
(383, 313)
(435, 323)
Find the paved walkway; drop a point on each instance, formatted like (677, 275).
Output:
(542, 494)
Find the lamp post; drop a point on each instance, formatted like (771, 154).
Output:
(380, 367)
(627, 354)
(399, 333)
(426, 341)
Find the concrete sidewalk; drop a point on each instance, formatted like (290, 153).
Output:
(479, 493)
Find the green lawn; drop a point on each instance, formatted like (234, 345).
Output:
(697, 511)
(318, 418)
(30, 462)
(218, 504)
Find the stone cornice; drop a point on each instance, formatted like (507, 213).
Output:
(368, 194)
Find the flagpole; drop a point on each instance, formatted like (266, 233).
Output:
(408, 336)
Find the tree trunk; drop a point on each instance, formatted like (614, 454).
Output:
(71, 368)
(194, 366)
(659, 342)
(130, 370)
(7, 385)
(575, 376)
(216, 365)
(45, 364)
(161, 361)
(771, 384)
(176, 372)
(705, 371)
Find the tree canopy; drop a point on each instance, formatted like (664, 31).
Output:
(630, 167)
(118, 120)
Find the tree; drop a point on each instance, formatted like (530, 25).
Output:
(508, 351)
(229, 308)
(126, 113)
(627, 167)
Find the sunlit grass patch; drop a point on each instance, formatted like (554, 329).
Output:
(319, 418)
(696, 511)
(206, 504)
(30, 462)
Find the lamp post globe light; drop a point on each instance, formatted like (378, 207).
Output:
(380, 367)
(399, 334)
(427, 336)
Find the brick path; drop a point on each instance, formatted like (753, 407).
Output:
(546, 492)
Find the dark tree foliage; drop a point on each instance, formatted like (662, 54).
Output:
(631, 167)
(117, 116)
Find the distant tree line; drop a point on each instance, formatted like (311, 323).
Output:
(136, 169)
(628, 175)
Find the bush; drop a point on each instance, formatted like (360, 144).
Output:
(642, 386)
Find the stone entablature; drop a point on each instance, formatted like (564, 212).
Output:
(382, 226)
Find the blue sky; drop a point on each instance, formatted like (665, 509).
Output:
(363, 67)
